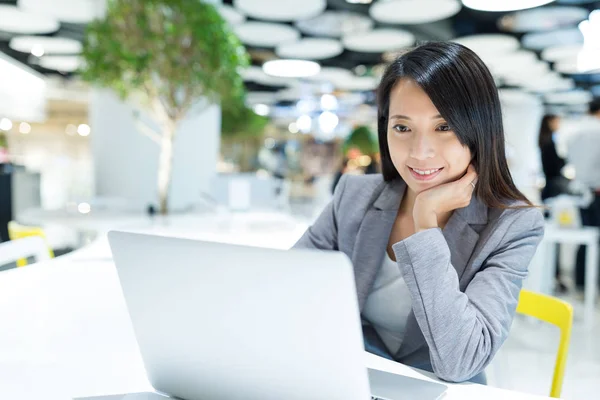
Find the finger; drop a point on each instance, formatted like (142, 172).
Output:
(470, 188)
(470, 176)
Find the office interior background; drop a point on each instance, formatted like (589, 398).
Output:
(77, 159)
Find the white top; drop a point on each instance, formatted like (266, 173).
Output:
(388, 305)
(584, 152)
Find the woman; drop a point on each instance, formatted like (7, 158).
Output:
(441, 241)
(556, 183)
(552, 163)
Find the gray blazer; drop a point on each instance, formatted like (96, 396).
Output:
(464, 280)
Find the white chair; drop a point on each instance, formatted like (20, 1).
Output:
(14, 250)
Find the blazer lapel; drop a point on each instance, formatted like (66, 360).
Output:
(460, 235)
(373, 235)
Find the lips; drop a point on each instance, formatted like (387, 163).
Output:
(422, 174)
(425, 171)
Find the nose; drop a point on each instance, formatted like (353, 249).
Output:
(421, 147)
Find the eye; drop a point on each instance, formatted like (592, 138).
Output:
(444, 128)
(401, 128)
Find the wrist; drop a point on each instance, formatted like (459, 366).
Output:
(424, 216)
(425, 222)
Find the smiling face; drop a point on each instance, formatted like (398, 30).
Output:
(423, 148)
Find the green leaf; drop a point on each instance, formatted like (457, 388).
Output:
(240, 122)
(165, 47)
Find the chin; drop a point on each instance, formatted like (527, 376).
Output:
(421, 187)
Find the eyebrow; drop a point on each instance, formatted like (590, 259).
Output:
(398, 116)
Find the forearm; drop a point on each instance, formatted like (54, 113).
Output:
(461, 339)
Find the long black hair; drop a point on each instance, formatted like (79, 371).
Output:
(464, 92)
(546, 130)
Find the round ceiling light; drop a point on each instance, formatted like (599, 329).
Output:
(231, 15)
(310, 49)
(48, 45)
(548, 77)
(491, 44)
(546, 83)
(562, 53)
(520, 57)
(328, 121)
(281, 10)
(413, 11)
(357, 83)
(61, 63)
(335, 24)
(568, 67)
(331, 75)
(256, 74)
(265, 34)
(379, 40)
(507, 70)
(504, 5)
(542, 86)
(542, 19)
(291, 68)
(14, 20)
(569, 97)
(541, 40)
(73, 11)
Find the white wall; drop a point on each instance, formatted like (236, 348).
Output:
(522, 114)
(22, 92)
(64, 162)
(126, 162)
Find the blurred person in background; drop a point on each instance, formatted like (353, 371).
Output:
(442, 239)
(317, 160)
(584, 155)
(552, 165)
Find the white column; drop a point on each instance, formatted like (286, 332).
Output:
(126, 162)
(522, 114)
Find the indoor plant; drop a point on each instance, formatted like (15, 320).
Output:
(175, 56)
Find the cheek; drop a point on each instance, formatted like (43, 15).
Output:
(398, 151)
(458, 159)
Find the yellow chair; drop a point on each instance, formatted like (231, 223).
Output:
(556, 312)
(17, 231)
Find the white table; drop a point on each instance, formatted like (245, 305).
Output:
(588, 236)
(253, 228)
(66, 333)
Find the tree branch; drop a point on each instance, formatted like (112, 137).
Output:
(156, 103)
(184, 106)
(146, 130)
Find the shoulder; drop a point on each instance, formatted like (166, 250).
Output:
(355, 193)
(588, 127)
(517, 221)
(361, 183)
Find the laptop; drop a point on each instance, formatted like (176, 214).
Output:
(221, 321)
